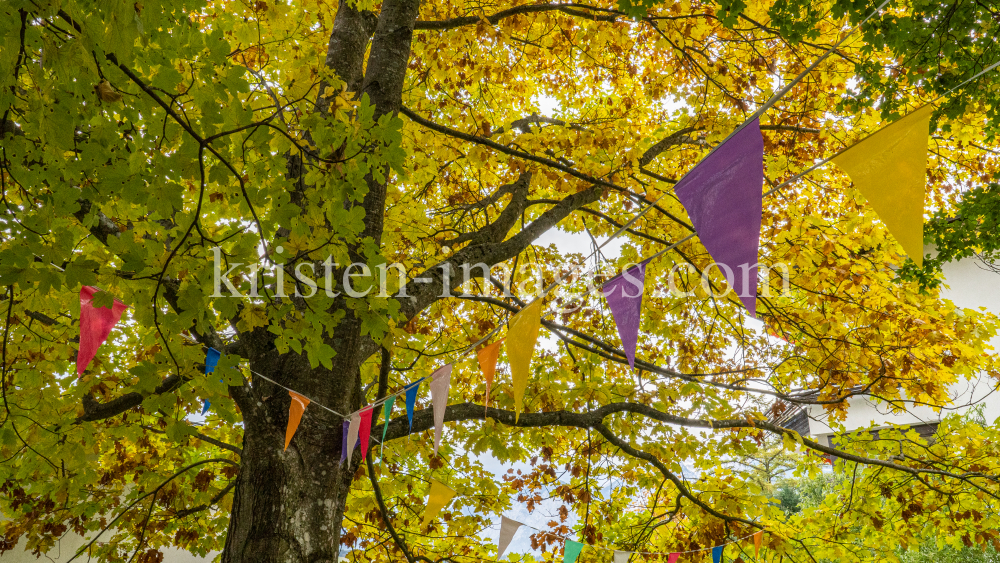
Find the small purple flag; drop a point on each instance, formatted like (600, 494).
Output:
(624, 295)
(723, 196)
(343, 441)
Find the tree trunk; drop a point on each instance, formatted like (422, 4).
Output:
(288, 504)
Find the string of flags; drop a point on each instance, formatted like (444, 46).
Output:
(572, 548)
(723, 197)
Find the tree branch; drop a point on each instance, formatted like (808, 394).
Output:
(611, 15)
(424, 420)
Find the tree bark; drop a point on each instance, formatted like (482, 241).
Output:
(288, 505)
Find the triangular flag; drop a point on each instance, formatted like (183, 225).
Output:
(571, 551)
(352, 435)
(488, 364)
(622, 556)
(439, 496)
(508, 528)
(723, 196)
(95, 326)
(411, 399)
(386, 411)
(295, 410)
(343, 440)
(211, 359)
(756, 543)
(365, 429)
(673, 557)
(521, 337)
(624, 295)
(717, 554)
(440, 382)
(889, 169)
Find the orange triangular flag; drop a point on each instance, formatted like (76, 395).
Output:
(488, 364)
(295, 410)
(756, 543)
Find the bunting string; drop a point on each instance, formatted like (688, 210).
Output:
(560, 280)
(612, 549)
(722, 195)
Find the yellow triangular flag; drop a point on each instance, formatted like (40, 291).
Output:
(439, 496)
(889, 169)
(521, 337)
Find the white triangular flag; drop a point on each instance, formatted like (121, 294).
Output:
(440, 382)
(352, 435)
(622, 556)
(508, 528)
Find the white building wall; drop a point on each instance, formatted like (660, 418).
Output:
(65, 549)
(970, 285)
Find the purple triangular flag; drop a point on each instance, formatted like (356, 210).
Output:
(343, 441)
(624, 295)
(723, 196)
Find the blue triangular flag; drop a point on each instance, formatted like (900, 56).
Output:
(205, 410)
(411, 399)
(717, 554)
(212, 359)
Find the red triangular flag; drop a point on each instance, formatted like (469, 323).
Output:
(673, 557)
(364, 430)
(295, 410)
(95, 326)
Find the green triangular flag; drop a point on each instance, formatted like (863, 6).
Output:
(572, 551)
(386, 409)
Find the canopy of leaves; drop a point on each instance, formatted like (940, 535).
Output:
(137, 137)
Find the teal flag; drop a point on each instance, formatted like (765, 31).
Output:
(572, 551)
(386, 409)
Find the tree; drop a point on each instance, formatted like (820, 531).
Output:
(148, 147)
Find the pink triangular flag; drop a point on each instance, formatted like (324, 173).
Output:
(672, 558)
(365, 429)
(508, 528)
(624, 295)
(352, 435)
(95, 326)
(723, 196)
(440, 382)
